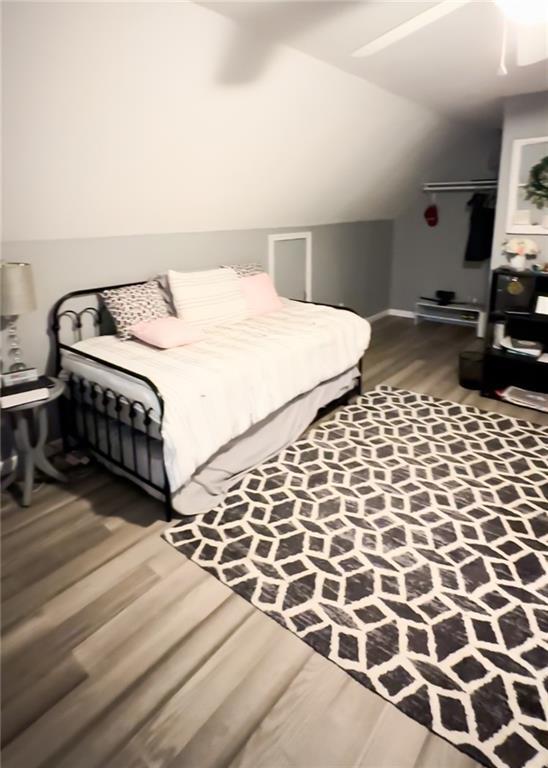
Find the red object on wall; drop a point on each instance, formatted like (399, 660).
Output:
(431, 215)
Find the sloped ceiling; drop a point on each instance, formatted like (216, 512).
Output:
(124, 119)
(449, 66)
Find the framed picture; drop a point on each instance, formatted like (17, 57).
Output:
(524, 217)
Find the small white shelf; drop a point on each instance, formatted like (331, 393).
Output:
(452, 314)
(447, 319)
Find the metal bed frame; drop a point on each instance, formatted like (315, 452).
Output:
(90, 412)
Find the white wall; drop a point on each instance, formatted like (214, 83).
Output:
(118, 120)
(525, 117)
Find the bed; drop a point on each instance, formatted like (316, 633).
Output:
(185, 423)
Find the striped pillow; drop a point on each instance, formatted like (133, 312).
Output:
(211, 297)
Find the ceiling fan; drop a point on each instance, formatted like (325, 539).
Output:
(530, 18)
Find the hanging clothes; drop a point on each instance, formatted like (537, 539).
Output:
(482, 223)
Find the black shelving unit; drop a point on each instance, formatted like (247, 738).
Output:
(513, 301)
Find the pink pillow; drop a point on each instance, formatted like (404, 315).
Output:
(260, 294)
(167, 332)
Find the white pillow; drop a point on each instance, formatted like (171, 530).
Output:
(211, 297)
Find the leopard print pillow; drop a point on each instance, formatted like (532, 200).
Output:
(244, 270)
(134, 304)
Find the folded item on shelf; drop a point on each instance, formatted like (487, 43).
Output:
(521, 346)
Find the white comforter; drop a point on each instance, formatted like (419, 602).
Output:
(216, 389)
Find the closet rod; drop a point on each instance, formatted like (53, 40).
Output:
(460, 186)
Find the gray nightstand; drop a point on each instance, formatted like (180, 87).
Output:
(30, 431)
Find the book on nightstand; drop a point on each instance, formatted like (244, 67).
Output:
(27, 392)
(10, 378)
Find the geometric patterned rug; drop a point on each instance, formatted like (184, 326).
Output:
(405, 539)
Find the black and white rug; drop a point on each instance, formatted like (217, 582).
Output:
(405, 539)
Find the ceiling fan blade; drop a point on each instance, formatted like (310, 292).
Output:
(409, 27)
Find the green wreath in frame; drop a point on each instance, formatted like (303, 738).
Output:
(536, 189)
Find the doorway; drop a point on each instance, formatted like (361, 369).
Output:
(290, 264)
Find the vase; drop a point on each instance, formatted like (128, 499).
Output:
(517, 261)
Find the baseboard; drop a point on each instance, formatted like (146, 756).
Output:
(377, 315)
(401, 313)
(392, 313)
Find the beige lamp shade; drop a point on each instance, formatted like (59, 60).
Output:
(17, 288)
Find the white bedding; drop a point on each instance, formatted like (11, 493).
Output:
(216, 389)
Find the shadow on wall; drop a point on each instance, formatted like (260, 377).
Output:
(249, 51)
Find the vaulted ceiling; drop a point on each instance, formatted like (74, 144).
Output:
(449, 66)
(131, 118)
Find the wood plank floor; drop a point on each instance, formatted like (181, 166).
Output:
(119, 652)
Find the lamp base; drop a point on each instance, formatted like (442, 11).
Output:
(14, 351)
(14, 367)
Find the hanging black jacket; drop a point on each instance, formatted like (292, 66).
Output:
(482, 222)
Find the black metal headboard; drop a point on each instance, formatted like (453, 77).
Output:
(83, 319)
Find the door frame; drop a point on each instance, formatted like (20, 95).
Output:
(307, 237)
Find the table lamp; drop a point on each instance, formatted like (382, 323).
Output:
(16, 297)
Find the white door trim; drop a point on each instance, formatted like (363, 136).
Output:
(307, 237)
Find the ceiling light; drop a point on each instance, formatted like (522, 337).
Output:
(525, 11)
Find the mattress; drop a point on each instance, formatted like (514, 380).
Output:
(216, 389)
(212, 481)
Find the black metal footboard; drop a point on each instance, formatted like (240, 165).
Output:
(125, 434)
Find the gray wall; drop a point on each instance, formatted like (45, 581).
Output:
(290, 268)
(525, 117)
(429, 258)
(351, 265)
